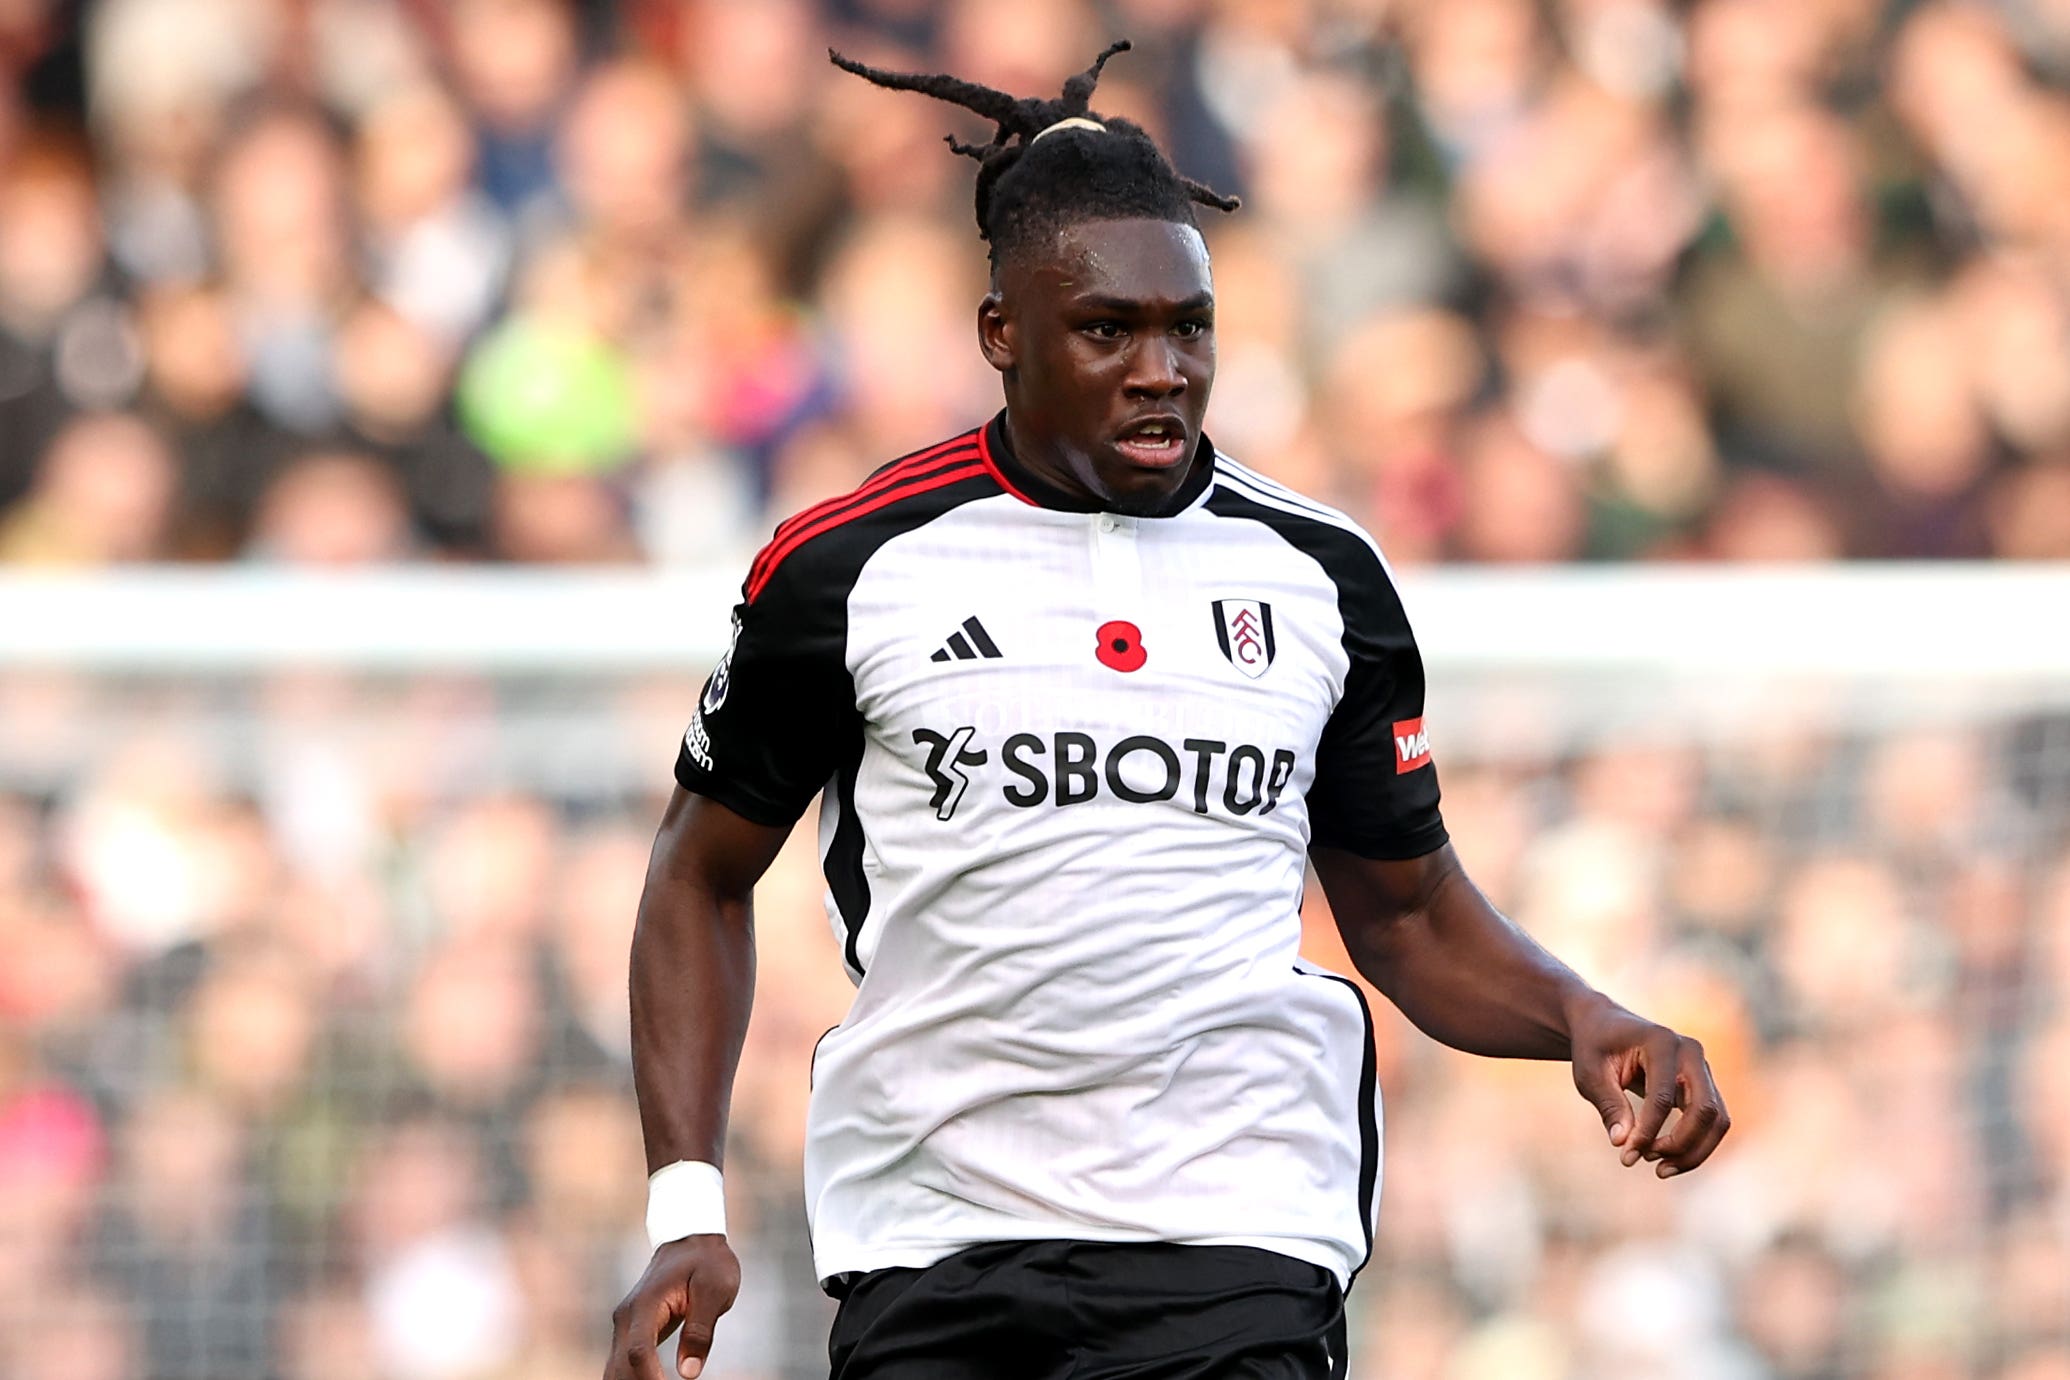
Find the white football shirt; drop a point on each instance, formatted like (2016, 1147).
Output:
(1071, 765)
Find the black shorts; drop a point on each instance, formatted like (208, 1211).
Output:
(1075, 1310)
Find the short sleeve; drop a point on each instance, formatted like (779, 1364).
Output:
(777, 715)
(1376, 787)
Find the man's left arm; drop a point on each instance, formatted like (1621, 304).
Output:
(1420, 931)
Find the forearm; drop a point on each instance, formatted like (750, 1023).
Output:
(1465, 975)
(693, 979)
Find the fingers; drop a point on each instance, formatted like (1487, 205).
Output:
(1658, 1077)
(634, 1337)
(691, 1281)
(1680, 1118)
(1600, 1086)
(1701, 1123)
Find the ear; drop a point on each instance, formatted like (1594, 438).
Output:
(996, 332)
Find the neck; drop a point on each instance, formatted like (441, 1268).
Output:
(1043, 457)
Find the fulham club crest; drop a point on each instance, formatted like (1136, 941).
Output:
(1243, 627)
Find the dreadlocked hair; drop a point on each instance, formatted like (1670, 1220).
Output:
(1029, 186)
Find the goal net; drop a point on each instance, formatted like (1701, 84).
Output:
(315, 900)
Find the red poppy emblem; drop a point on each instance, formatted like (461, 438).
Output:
(1121, 646)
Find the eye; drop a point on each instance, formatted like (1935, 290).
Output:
(1193, 329)
(1104, 330)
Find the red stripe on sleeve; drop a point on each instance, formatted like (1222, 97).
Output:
(901, 465)
(893, 470)
(914, 467)
(777, 551)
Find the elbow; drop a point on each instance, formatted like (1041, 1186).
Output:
(1379, 943)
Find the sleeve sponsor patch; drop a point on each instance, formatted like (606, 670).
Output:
(697, 741)
(1411, 745)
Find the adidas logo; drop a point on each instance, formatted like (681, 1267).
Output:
(979, 643)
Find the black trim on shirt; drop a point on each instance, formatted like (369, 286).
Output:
(847, 882)
(786, 724)
(1368, 1117)
(1359, 801)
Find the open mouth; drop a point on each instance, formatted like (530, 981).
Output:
(1154, 443)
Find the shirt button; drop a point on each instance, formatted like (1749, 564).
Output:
(1107, 523)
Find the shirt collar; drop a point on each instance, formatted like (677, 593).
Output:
(1024, 484)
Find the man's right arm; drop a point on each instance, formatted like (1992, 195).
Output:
(693, 980)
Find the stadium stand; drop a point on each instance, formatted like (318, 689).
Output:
(313, 931)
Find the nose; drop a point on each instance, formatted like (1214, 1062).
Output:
(1154, 371)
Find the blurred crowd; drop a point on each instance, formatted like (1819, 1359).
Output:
(313, 1049)
(312, 1032)
(353, 281)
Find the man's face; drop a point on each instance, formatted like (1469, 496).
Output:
(1106, 339)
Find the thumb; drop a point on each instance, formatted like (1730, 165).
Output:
(700, 1321)
(1601, 1087)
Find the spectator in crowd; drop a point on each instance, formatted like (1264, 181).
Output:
(102, 495)
(1726, 280)
(361, 1110)
(312, 1034)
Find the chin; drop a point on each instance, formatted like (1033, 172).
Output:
(1130, 490)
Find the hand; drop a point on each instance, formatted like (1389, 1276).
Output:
(1615, 1052)
(691, 1281)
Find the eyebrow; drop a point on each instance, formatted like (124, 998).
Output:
(1200, 301)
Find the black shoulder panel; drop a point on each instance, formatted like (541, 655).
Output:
(1375, 791)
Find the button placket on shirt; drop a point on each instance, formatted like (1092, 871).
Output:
(1117, 569)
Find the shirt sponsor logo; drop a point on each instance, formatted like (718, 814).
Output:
(1243, 629)
(947, 758)
(1065, 768)
(1411, 746)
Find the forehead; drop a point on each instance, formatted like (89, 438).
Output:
(1133, 260)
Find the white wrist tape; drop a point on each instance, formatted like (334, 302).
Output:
(687, 1198)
